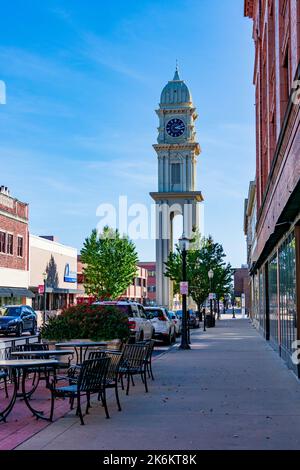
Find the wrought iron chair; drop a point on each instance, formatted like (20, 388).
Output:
(113, 373)
(92, 379)
(148, 359)
(133, 363)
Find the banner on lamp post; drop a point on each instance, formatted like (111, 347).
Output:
(184, 288)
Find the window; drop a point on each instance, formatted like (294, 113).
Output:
(2, 242)
(10, 244)
(175, 173)
(20, 247)
(151, 273)
(273, 300)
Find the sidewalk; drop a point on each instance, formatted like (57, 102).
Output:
(230, 392)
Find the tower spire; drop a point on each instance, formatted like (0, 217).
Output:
(176, 76)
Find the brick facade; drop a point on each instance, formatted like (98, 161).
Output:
(276, 33)
(14, 221)
(151, 268)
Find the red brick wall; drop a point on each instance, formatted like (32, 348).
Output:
(16, 227)
(277, 44)
(151, 279)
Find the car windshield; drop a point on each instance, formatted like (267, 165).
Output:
(155, 313)
(124, 309)
(10, 311)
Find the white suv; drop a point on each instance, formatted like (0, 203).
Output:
(164, 328)
(140, 327)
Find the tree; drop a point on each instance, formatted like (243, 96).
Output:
(204, 255)
(111, 264)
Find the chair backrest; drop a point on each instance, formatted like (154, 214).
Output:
(149, 344)
(134, 355)
(114, 365)
(96, 354)
(92, 375)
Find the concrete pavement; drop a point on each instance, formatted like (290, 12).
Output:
(231, 391)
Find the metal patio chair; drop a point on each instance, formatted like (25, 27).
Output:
(91, 380)
(148, 359)
(133, 363)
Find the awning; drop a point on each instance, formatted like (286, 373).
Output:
(16, 292)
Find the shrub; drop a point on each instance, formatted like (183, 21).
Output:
(95, 322)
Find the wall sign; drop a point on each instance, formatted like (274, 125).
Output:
(70, 276)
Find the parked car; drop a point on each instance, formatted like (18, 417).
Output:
(193, 319)
(164, 328)
(15, 319)
(177, 322)
(140, 327)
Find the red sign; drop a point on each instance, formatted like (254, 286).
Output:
(184, 288)
(41, 289)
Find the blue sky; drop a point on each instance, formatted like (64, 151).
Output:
(83, 80)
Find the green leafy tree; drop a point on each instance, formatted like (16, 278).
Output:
(111, 264)
(204, 255)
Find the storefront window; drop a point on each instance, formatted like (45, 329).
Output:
(287, 291)
(273, 304)
(261, 301)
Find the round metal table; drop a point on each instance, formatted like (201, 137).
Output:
(17, 365)
(43, 354)
(84, 345)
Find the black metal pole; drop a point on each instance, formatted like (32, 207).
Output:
(45, 303)
(184, 337)
(233, 312)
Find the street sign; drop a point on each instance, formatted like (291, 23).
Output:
(184, 288)
(41, 289)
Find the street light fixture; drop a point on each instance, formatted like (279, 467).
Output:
(45, 297)
(211, 276)
(184, 246)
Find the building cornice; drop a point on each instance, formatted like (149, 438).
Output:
(188, 195)
(194, 146)
(249, 8)
(9, 215)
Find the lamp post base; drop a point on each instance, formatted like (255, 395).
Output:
(185, 347)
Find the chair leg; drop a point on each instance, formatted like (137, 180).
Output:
(152, 376)
(103, 398)
(88, 403)
(122, 382)
(132, 381)
(52, 406)
(145, 380)
(5, 387)
(128, 384)
(117, 396)
(79, 412)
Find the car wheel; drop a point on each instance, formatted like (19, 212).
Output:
(34, 328)
(168, 340)
(19, 330)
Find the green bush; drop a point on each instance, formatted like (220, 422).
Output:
(95, 322)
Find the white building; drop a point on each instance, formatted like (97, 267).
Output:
(56, 263)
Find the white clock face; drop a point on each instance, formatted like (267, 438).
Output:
(175, 127)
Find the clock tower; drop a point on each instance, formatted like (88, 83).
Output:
(177, 151)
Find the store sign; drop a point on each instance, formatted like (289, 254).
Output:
(41, 289)
(184, 288)
(70, 276)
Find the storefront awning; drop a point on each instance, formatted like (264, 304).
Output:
(16, 292)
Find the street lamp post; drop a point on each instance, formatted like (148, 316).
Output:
(45, 297)
(184, 245)
(233, 311)
(211, 276)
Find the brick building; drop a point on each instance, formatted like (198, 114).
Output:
(275, 261)
(14, 245)
(151, 289)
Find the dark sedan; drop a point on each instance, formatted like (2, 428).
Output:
(16, 319)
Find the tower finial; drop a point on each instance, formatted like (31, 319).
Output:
(176, 76)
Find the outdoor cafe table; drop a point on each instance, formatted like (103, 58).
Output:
(83, 345)
(17, 365)
(43, 354)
